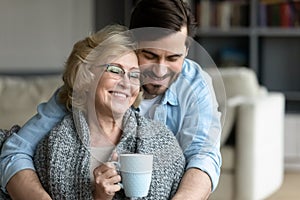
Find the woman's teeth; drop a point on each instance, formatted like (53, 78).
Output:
(118, 94)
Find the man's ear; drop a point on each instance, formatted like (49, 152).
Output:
(187, 51)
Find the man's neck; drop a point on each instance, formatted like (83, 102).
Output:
(149, 96)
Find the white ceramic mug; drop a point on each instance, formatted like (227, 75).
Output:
(136, 172)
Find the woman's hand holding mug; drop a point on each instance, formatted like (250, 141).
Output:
(106, 181)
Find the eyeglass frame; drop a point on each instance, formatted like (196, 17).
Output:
(117, 76)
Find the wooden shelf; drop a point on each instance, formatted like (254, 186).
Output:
(292, 96)
(223, 32)
(278, 32)
(238, 31)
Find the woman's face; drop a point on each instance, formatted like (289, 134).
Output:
(116, 92)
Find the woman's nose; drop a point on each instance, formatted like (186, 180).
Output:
(125, 81)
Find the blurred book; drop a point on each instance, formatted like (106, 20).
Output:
(222, 14)
(279, 13)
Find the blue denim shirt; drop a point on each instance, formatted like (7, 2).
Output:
(189, 108)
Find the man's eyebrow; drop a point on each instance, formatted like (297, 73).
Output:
(149, 52)
(154, 54)
(175, 55)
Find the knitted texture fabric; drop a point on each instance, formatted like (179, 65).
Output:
(4, 134)
(62, 159)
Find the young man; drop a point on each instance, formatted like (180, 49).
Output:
(176, 93)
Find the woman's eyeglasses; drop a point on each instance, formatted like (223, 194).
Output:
(117, 72)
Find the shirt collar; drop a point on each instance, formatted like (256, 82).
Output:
(170, 95)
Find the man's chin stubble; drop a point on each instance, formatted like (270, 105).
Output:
(151, 91)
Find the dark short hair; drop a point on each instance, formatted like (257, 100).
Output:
(169, 14)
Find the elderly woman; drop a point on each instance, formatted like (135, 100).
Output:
(101, 83)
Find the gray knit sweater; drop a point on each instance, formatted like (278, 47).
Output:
(62, 159)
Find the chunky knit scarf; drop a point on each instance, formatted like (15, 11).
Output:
(62, 159)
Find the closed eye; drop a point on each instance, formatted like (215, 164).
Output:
(115, 69)
(149, 55)
(173, 58)
(135, 75)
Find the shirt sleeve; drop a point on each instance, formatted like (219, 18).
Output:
(18, 150)
(200, 134)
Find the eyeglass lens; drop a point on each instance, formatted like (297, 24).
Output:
(118, 72)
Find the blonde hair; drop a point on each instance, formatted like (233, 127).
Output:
(96, 49)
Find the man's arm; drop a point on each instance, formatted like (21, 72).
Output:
(18, 149)
(199, 138)
(26, 185)
(195, 184)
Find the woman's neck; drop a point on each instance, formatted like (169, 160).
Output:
(105, 129)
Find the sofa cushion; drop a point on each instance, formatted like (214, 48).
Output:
(238, 82)
(19, 96)
(228, 159)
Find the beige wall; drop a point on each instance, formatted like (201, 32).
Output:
(39, 34)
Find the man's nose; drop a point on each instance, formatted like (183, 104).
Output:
(160, 70)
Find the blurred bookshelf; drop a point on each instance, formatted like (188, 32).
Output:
(263, 35)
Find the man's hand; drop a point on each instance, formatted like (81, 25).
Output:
(26, 185)
(195, 185)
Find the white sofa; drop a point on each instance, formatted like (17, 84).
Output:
(252, 138)
(20, 95)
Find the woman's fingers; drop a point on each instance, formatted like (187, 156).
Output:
(110, 177)
(106, 170)
(106, 178)
(115, 179)
(107, 186)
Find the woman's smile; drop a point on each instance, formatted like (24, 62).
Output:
(120, 95)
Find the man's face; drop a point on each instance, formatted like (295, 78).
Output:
(161, 62)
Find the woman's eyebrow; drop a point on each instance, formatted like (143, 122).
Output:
(135, 68)
(131, 67)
